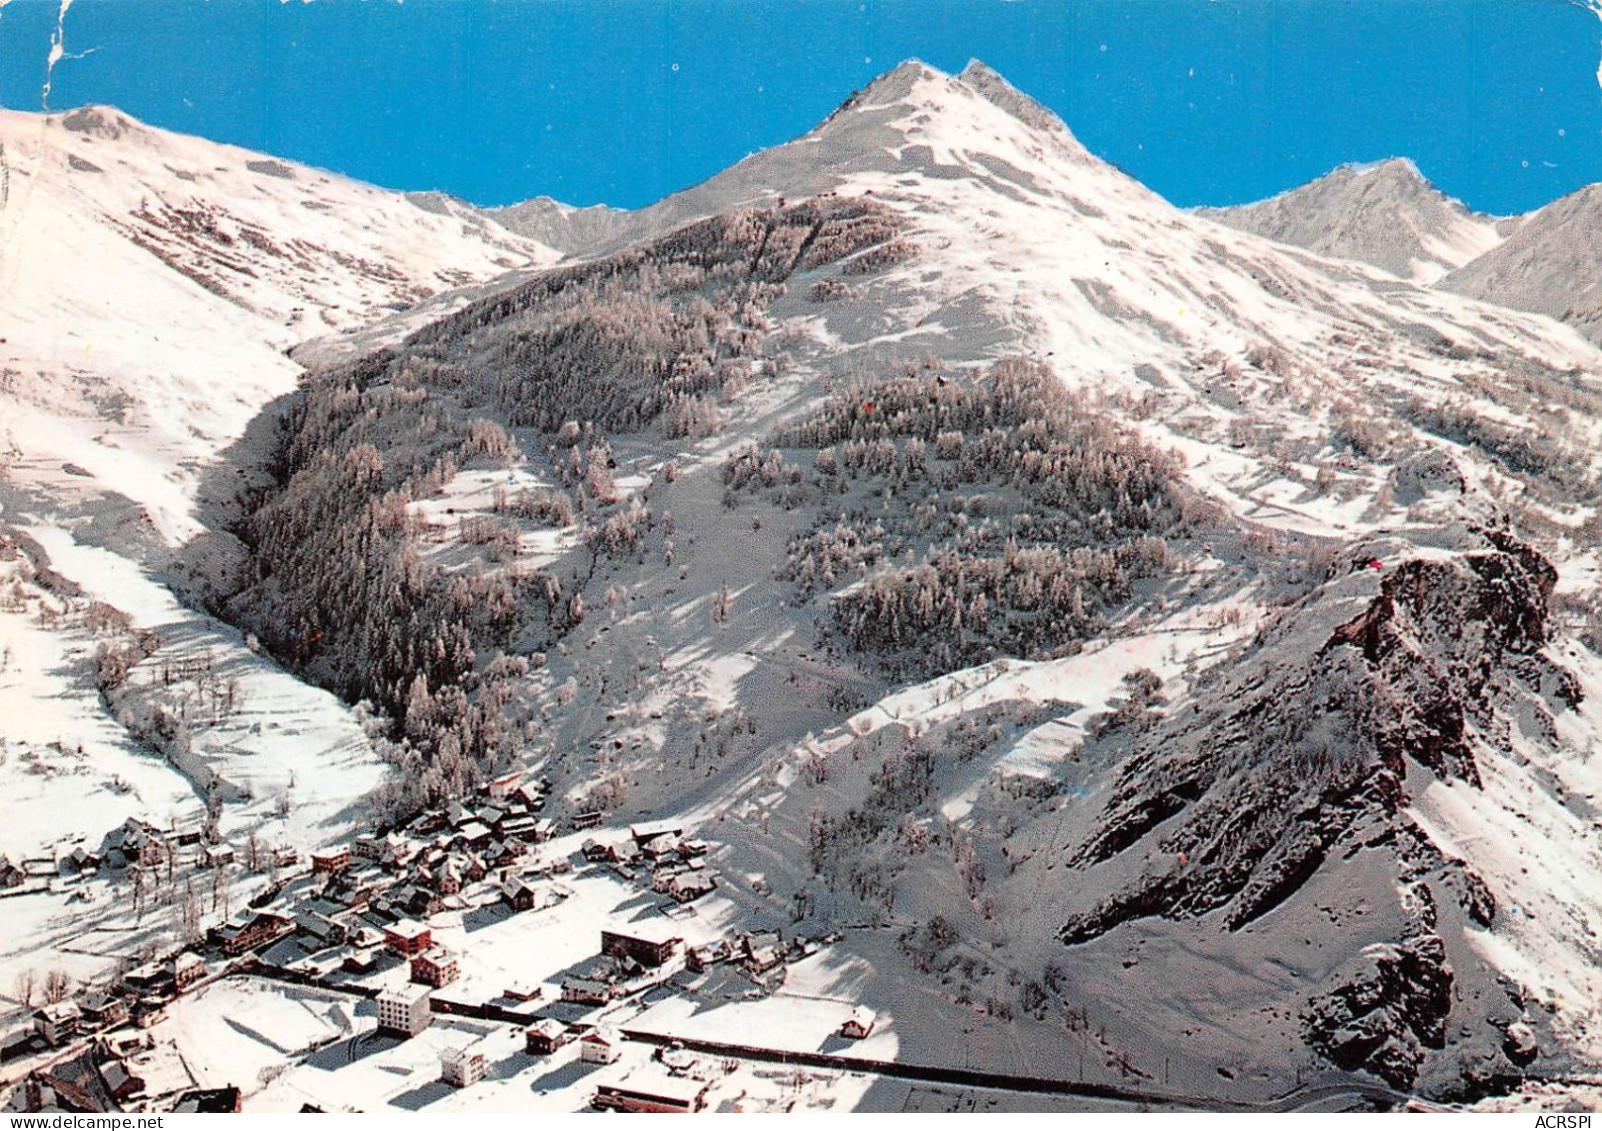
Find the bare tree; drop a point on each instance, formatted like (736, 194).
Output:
(58, 984)
(27, 981)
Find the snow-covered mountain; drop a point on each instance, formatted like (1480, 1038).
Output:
(802, 428)
(1384, 213)
(153, 282)
(1549, 265)
(150, 286)
(1149, 643)
(572, 231)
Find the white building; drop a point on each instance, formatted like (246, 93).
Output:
(599, 1046)
(462, 1067)
(405, 1009)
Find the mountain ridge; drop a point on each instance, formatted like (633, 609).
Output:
(1385, 213)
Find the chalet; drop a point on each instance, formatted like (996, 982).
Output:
(103, 1010)
(70, 1085)
(148, 1012)
(588, 991)
(121, 1081)
(319, 929)
(623, 852)
(596, 852)
(692, 848)
(462, 1067)
(408, 937)
(519, 826)
(658, 847)
(146, 978)
(546, 1036)
(412, 899)
(81, 860)
(435, 967)
(582, 821)
(502, 788)
(58, 1021)
(405, 1009)
(359, 962)
(11, 876)
(215, 856)
(534, 829)
(331, 862)
(650, 830)
(523, 992)
(519, 894)
(686, 887)
(186, 969)
(492, 817)
(762, 951)
(472, 834)
(250, 930)
(140, 841)
(209, 1101)
(600, 1046)
(500, 853)
(447, 879)
(649, 946)
(357, 887)
(859, 1024)
(662, 875)
(652, 1088)
(397, 851)
(284, 857)
(427, 823)
(703, 957)
(367, 846)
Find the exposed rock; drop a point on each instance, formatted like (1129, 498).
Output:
(1306, 742)
(1385, 1016)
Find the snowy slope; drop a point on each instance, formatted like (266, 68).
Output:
(1385, 214)
(1160, 892)
(151, 282)
(1319, 402)
(1549, 265)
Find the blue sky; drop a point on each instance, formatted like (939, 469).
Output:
(623, 101)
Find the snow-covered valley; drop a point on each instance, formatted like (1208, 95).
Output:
(1161, 654)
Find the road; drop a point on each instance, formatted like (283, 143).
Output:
(1294, 1100)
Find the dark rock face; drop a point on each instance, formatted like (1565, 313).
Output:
(1308, 737)
(1296, 756)
(99, 121)
(1384, 1018)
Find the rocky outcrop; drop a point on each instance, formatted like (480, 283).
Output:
(1384, 1017)
(1301, 748)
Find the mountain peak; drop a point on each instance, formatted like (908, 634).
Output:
(1385, 213)
(891, 87)
(986, 82)
(1393, 169)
